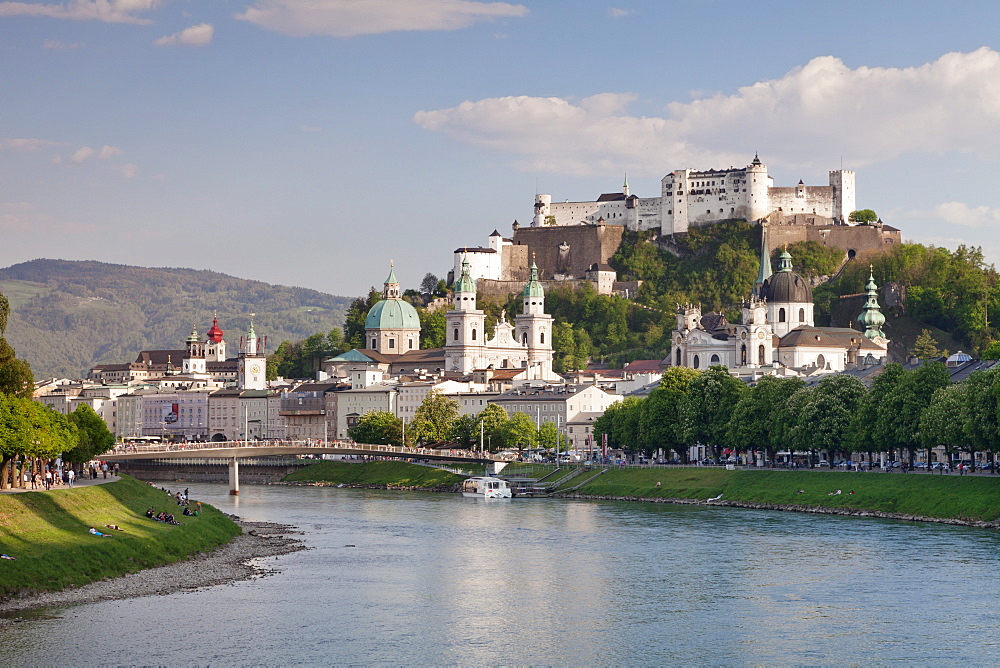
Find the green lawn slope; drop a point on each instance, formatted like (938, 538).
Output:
(384, 473)
(970, 498)
(48, 534)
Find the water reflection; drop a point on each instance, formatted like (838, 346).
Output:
(440, 579)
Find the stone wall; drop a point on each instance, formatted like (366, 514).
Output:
(569, 251)
(852, 239)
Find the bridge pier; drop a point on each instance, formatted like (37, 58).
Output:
(234, 477)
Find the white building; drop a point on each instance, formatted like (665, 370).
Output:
(690, 198)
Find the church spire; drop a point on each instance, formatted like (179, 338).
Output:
(391, 289)
(871, 317)
(764, 272)
(625, 190)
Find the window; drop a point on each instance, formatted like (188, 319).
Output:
(678, 356)
(411, 344)
(697, 362)
(473, 333)
(715, 359)
(524, 338)
(456, 334)
(542, 338)
(760, 355)
(781, 315)
(373, 344)
(802, 315)
(392, 343)
(743, 355)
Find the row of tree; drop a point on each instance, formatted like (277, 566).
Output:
(902, 412)
(436, 420)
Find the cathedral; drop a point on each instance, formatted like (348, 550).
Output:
(776, 329)
(392, 328)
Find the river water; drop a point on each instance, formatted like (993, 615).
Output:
(419, 578)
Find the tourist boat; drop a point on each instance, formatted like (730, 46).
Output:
(486, 488)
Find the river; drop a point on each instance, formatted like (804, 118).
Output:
(419, 578)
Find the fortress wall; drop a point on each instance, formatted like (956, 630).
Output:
(857, 238)
(814, 199)
(587, 245)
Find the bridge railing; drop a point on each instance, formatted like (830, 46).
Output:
(348, 446)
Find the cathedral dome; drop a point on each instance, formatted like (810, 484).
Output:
(392, 314)
(785, 286)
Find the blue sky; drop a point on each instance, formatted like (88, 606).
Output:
(310, 142)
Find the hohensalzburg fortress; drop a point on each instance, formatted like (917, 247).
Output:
(690, 198)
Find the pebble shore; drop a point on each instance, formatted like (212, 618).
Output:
(229, 563)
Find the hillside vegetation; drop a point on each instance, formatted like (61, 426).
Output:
(67, 316)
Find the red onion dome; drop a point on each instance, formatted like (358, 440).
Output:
(215, 333)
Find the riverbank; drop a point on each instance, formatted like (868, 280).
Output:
(47, 534)
(231, 562)
(375, 475)
(953, 499)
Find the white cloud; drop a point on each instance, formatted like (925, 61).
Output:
(56, 45)
(85, 153)
(960, 213)
(618, 12)
(129, 170)
(197, 35)
(349, 18)
(811, 115)
(25, 145)
(108, 11)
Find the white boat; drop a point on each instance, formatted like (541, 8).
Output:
(486, 488)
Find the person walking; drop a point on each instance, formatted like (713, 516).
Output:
(70, 476)
(48, 479)
(104, 469)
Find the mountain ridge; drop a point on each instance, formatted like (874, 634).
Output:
(68, 315)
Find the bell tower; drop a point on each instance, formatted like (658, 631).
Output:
(252, 362)
(465, 338)
(534, 328)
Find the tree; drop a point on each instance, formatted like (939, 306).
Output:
(429, 285)
(660, 423)
(991, 351)
(981, 410)
(377, 428)
(925, 346)
(432, 328)
(943, 421)
(434, 418)
(706, 408)
(519, 431)
(15, 374)
(15, 434)
(899, 411)
(494, 421)
(863, 216)
(825, 419)
(625, 424)
(867, 434)
(354, 319)
(754, 424)
(548, 435)
(94, 438)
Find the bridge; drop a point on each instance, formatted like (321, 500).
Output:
(233, 451)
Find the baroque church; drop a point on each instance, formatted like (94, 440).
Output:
(392, 330)
(776, 332)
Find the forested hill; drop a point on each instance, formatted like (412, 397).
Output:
(66, 316)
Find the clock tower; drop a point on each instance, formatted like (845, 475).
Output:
(252, 363)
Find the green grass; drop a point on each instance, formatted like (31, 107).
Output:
(972, 498)
(48, 534)
(19, 293)
(395, 474)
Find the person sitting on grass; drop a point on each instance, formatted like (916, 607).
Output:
(114, 526)
(98, 533)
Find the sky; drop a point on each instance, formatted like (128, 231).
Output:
(311, 142)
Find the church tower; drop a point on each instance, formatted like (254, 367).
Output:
(194, 359)
(252, 363)
(758, 194)
(215, 346)
(789, 298)
(871, 317)
(534, 328)
(466, 330)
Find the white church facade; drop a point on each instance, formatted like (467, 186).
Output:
(691, 198)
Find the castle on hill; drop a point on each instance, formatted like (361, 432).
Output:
(692, 198)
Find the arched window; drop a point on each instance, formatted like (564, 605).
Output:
(541, 338)
(473, 333)
(743, 355)
(456, 335)
(715, 359)
(802, 315)
(760, 355)
(697, 362)
(781, 315)
(524, 338)
(677, 357)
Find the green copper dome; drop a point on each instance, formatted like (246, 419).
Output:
(465, 282)
(871, 317)
(533, 288)
(392, 314)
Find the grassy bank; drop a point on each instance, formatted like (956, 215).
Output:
(48, 534)
(376, 474)
(970, 498)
